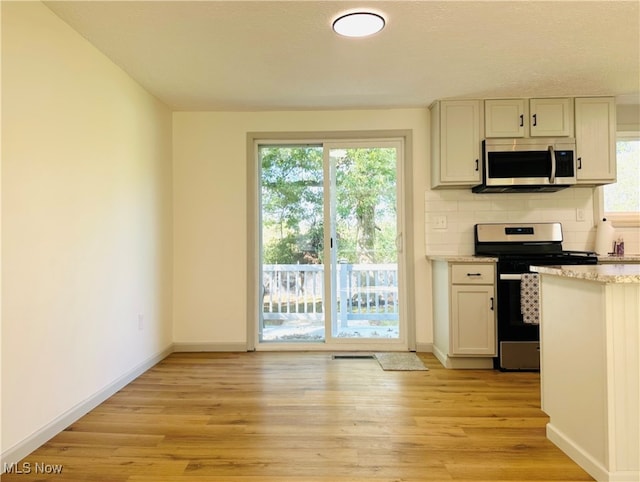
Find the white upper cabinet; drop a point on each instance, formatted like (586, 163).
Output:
(506, 118)
(528, 118)
(551, 117)
(459, 126)
(456, 131)
(596, 140)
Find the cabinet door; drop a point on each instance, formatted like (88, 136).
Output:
(460, 131)
(473, 322)
(505, 118)
(551, 118)
(596, 140)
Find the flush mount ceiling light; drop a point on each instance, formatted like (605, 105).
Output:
(358, 24)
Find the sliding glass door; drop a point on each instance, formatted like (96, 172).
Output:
(330, 243)
(292, 190)
(363, 237)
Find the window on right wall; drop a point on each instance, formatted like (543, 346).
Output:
(621, 201)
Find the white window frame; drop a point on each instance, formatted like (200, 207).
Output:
(253, 275)
(618, 220)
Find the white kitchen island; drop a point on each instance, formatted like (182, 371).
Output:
(590, 368)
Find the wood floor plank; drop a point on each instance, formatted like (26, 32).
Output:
(305, 417)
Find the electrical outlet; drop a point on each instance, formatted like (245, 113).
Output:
(140, 321)
(579, 214)
(440, 222)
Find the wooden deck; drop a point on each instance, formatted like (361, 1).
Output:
(297, 417)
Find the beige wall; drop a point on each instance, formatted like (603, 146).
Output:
(86, 222)
(628, 117)
(210, 211)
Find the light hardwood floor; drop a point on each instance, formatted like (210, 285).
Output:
(285, 417)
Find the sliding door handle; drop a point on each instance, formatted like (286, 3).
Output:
(399, 243)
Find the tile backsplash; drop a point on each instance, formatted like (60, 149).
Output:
(451, 214)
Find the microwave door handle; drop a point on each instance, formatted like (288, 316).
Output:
(552, 177)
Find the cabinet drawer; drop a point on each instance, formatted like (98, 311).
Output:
(473, 274)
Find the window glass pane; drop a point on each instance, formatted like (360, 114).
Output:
(624, 195)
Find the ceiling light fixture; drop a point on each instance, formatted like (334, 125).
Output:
(358, 24)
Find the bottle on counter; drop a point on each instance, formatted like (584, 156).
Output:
(620, 247)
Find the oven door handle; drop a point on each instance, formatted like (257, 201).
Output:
(510, 277)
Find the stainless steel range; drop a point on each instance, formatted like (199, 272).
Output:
(518, 247)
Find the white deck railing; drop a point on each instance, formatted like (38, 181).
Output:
(364, 292)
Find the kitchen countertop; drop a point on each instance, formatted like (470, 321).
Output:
(461, 258)
(603, 273)
(470, 258)
(628, 258)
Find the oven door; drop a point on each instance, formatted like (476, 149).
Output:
(519, 342)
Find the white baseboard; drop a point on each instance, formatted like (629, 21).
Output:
(16, 453)
(195, 347)
(424, 347)
(462, 363)
(579, 456)
(585, 460)
(440, 355)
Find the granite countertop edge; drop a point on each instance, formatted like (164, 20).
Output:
(604, 273)
(462, 258)
(630, 258)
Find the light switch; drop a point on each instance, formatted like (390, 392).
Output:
(440, 222)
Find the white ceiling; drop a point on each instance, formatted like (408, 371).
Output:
(267, 55)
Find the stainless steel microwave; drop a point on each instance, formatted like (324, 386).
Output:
(527, 165)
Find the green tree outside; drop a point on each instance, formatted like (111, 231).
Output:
(292, 204)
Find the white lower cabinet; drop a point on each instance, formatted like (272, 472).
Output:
(472, 320)
(464, 312)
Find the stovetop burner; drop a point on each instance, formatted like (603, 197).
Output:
(522, 263)
(531, 241)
